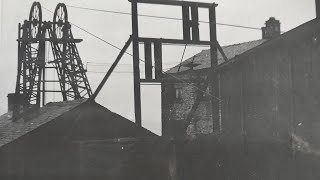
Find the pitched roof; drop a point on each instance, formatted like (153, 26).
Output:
(95, 122)
(10, 131)
(203, 58)
(296, 35)
(90, 120)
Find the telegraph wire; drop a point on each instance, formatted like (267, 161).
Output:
(112, 45)
(161, 17)
(120, 72)
(92, 63)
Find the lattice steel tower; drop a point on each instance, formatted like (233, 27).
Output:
(32, 37)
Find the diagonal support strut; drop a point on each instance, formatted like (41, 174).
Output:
(115, 63)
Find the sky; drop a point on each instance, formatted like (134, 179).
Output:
(97, 56)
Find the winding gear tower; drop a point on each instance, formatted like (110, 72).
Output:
(33, 36)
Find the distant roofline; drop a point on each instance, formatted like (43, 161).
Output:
(227, 46)
(265, 44)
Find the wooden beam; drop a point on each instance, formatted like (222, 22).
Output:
(150, 81)
(214, 85)
(113, 66)
(148, 59)
(136, 59)
(195, 23)
(175, 3)
(158, 59)
(175, 41)
(222, 52)
(318, 9)
(186, 23)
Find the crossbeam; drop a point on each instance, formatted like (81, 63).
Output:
(34, 40)
(176, 3)
(175, 41)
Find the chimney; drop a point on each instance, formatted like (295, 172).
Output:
(318, 8)
(272, 29)
(11, 101)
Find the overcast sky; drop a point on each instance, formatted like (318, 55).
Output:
(98, 56)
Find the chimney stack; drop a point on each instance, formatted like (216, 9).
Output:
(272, 29)
(318, 8)
(11, 99)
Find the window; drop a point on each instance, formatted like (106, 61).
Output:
(178, 93)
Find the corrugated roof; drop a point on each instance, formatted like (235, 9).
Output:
(203, 58)
(10, 131)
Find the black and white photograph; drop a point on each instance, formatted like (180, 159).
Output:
(159, 90)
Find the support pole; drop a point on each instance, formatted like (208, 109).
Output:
(113, 66)
(186, 23)
(195, 23)
(42, 62)
(148, 60)
(317, 9)
(136, 68)
(158, 59)
(214, 62)
(44, 86)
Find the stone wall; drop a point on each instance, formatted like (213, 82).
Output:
(178, 108)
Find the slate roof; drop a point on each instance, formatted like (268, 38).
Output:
(203, 58)
(86, 121)
(10, 131)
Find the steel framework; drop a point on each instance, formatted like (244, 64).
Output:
(32, 38)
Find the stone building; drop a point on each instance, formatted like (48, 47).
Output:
(181, 95)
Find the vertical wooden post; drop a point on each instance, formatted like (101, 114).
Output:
(148, 60)
(136, 69)
(44, 85)
(63, 76)
(185, 18)
(318, 8)
(158, 59)
(41, 56)
(214, 63)
(195, 23)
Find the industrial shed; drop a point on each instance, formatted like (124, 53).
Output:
(270, 103)
(268, 126)
(271, 92)
(80, 140)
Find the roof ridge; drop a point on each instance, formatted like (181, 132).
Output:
(244, 42)
(230, 51)
(231, 45)
(286, 34)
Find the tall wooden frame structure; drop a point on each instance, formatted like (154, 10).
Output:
(191, 36)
